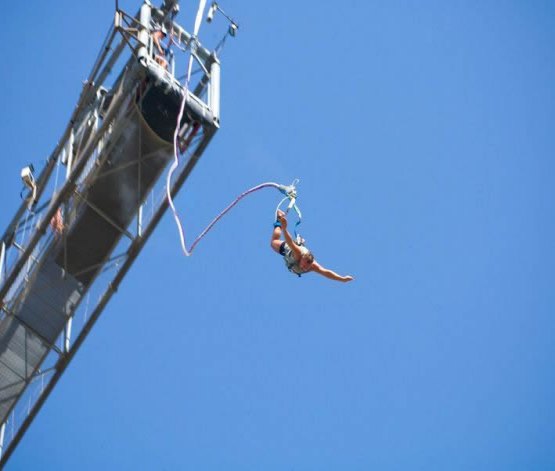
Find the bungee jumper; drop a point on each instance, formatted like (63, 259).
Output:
(298, 259)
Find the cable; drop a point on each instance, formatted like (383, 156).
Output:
(289, 191)
(226, 210)
(175, 163)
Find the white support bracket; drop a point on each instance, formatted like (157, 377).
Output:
(67, 335)
(2, 260)
(214, 91)
(2, 434)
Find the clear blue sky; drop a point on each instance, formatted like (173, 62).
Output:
(424, 135)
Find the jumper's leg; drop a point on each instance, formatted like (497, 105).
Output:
(276, 239)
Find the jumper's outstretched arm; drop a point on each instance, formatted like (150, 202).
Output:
(317, 268)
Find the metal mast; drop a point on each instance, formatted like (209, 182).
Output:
(71, 242)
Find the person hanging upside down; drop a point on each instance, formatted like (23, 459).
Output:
(298, 258)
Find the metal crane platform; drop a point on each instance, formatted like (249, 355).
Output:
(73, 239)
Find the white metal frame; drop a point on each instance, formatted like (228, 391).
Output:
(14, 261)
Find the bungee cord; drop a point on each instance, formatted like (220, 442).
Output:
(289, 191)
(175, 163)
(279, 187)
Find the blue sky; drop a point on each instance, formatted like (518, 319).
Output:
(423, 134)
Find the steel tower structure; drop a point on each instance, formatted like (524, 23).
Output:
(95, 204)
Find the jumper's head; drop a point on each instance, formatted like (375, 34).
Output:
(306, 260)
